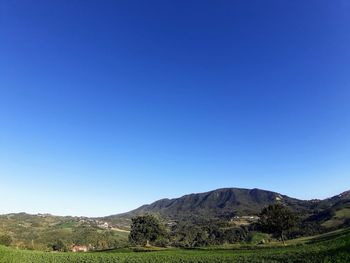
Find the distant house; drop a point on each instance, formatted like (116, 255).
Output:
(78, 248)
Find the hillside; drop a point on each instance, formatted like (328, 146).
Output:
(225, 202)
(229, 202)
(333, 212)
(42, 231)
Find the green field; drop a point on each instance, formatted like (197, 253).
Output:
(332, 247)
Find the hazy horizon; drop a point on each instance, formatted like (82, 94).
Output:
(106, 106)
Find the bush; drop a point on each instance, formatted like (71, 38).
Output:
(58, 246)
(5, 240)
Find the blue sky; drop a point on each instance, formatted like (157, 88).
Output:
(108, 105)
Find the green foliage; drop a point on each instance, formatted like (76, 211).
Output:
(277, 219)
(257, 238)
(327, 248)
(58, 245)
(146, 229)
(5, 240)
(204, 232)
(192, 236)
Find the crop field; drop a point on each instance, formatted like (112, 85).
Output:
(326, 248)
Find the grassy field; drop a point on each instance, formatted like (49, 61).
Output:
(332, 247)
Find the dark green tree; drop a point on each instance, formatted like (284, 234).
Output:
(145, 230)
(5, 240)
(58, 245)
(277, 219)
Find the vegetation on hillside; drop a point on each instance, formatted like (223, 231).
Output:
(53, 233)
(228, 203)
(333, 247)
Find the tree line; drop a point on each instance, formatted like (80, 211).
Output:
(148, 229)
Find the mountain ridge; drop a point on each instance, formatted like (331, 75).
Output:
(227, 203)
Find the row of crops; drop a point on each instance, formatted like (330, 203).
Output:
(335, 250)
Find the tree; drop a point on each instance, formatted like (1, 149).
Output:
(193, 236)
(5, 240)
(277, 219)
(146, 229)
(58, 245)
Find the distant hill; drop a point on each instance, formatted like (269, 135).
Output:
(217, 203)
(333, 212)
(40, 231)
(230, 202)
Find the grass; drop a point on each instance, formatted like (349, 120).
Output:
(331, 247)
(338, 219)
(317, 238)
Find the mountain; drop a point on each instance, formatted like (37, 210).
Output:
(220, 202)
(230, 202)
(225, 202)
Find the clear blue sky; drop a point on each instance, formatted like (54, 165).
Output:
(107, 105)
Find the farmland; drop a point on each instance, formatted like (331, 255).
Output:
(332, 247)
